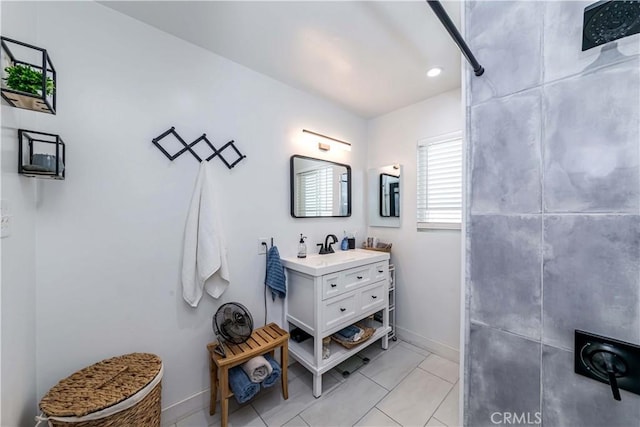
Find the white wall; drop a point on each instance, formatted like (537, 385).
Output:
(109, 237)
(18, 277)
(427, 262)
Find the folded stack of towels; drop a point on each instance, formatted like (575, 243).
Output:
(350, 333)
(275, 373)
(257, 369)
(245, 379)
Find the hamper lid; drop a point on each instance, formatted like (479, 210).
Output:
(101, 385)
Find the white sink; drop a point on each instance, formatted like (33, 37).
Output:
(318, 265)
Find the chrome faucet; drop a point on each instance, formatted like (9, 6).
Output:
(326, 248)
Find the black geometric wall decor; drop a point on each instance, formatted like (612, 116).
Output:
(190, 148)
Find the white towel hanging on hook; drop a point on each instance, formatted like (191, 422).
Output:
(205, 249)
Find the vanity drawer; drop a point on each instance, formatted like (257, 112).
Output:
(381, 271)
(357, 277)
(332, 285)
(373, 296)
(347, 280)
(337, 310)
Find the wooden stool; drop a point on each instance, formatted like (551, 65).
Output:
(262, 341)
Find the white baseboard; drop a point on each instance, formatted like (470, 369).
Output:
(433, 346)
(171, 414)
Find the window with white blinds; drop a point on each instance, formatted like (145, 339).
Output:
(315, 192)
(439, 188)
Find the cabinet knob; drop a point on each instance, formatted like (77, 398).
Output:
(343, 309)
(333, 285)
(380, 271)
(359, 277)
(374, 296)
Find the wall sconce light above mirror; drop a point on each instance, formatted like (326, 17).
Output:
(325, 142)
(319, 188)
(384, 186)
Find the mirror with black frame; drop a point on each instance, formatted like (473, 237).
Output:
(319, 188)
(384, 189)
(389, 195)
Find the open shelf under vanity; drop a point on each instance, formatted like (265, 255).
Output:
(303, 351)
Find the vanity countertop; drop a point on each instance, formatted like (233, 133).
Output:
(318, 265)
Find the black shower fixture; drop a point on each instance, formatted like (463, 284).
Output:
(455, 35)
(607, 360)
(606, 21)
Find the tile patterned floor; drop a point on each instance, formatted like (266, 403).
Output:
(403, 386)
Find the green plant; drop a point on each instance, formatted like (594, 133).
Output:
(26, 79)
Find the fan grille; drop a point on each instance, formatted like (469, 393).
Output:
(233, 323)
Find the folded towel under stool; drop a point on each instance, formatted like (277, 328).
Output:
(241, 385)
(275, 374)
(257, 369)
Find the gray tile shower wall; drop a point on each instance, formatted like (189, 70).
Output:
(553, 212)
(591, 141)
(506, 281)
(505, 373)
(510, 182)
(506, 35)
(590, 273)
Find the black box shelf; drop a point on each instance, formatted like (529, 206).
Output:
(18, 54)
(41, 155)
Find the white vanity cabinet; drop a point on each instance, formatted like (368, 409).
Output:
(326, 293)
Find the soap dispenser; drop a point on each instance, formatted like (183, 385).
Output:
(345, 242)
(302, 247)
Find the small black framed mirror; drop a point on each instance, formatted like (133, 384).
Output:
(389, 195)
(319, 188)
(384, 194)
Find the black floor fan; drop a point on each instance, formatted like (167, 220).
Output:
(232, 324)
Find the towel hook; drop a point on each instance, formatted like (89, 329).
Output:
(190, 148)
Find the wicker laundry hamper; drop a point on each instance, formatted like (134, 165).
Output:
(123, 391)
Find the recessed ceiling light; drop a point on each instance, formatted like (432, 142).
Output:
(434, 72)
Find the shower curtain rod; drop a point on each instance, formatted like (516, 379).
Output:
(453, 32)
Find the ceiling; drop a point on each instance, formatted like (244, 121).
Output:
(369, 57)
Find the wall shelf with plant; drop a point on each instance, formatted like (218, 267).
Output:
(28, 76)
